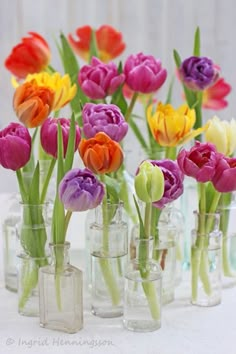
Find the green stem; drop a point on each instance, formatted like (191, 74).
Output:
(67, 220)
(171, 152)
(23, 193)
(198, 111)
(47, 180)
(147, 219)
(131, 106)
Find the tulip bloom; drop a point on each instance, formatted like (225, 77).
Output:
(173, 181)
(199, 162)
(48, 135)
(198, 73)
(144, 73)
(149, 182)
(222, 134)
(105, 118)
(99, 80)
(63, 90)
(80, 190)
(109, 42)
(224, 179)
(15, 146)
(214, 96)
(171, 127)
(32, 55)
(101, 154)
(32, 104)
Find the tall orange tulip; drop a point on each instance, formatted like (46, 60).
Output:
(30, 56)
(109, 42)
(101, 154)
(32, 103)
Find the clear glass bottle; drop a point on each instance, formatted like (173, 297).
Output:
(9, 234)
(206, 260)
(143, 290)
(33, 232)
(108, 250)
(227, 226)
(61, 292)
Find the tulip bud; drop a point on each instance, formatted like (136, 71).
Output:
(105, 118)
(224, 179)
(222, 134)
(149, 182)
(15, 146)
(144, 73)
(48, 135)
(99, 80)
(80, 190)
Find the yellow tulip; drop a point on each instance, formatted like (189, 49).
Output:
(64, 92)
(171, 127)
(222, 134)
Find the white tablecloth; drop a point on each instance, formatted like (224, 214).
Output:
(186, 329)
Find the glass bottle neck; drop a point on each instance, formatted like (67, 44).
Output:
(60, 254)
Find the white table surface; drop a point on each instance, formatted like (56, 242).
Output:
(186, 329)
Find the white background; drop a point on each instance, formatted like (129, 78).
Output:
(152, 26)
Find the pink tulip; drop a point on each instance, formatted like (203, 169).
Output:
(15, 146)
(199, 162)
(48, 135)
(99, 80)
(214, 96)
(224, 179)
(144, 73)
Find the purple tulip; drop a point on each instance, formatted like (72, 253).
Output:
(224, 179)
(15, 146)
(105, 118)
(99, 80)
(80, 190)
(48, 135)
(198, 73)
(199, 162)
(144, 73)
(173, 179)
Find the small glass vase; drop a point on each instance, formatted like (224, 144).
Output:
(143, 290)
(108, 250)
(164, 253)
(227, 226)
(206, 260)
(9, 234)
(61, 292)
(33, 232)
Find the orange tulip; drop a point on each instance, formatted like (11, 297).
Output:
(32, 103)
(109, 42)
(101, 154)
(30, 56)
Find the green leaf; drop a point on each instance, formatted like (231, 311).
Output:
(210, 192)
(177, 58)
(113, 189)
(137, 133)
(34, 197)
(93, 50)
(119, 100)
(71, 67)
(197, 43)
(71, 146)
(170, 90)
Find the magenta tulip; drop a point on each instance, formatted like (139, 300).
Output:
(144, 73)
(173, 181)
(199, 162)
(48, 135)
(15, 146)
(105, 118)
(80, 190)
(224, 179)
(99, 80)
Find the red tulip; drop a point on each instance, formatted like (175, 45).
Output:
(109, 42)
(32, 55)
(15, 146)
(214, 96)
